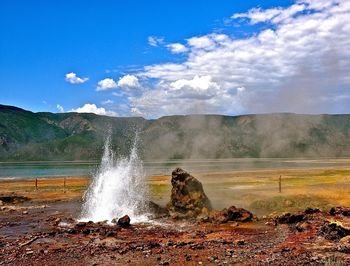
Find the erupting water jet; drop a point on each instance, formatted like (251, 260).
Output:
(117, 188)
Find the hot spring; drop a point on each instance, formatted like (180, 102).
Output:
(117, 188)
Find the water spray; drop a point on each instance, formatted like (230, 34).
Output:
(117, 188)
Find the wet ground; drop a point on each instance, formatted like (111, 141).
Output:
(48, 234)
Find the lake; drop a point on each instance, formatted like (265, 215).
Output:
(58, 168)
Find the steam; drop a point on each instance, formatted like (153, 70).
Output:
(255, 136)
(117, 188)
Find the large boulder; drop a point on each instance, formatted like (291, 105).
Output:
(188, 199)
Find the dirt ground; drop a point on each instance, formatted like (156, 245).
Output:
(49, 235)
(43, 229)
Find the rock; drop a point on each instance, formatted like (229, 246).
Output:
(334, 231)
(124, 221)
(78, 225)
(345, 211)
(311, 210)
(156, 210)
(187, 196)
(13, 199)
(301, 227)
(240, 242)
(188, 257)
(56, 221)
(229, 252)
(231, 214)
(291, 218)
(25, 212)
(1, 203)
(239, 214)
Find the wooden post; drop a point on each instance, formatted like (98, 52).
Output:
(64, 185)
(280, 184)
(36, 184)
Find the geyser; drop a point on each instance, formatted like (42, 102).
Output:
(117, 188)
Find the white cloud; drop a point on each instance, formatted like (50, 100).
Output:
(177, 48)
(107, 102)
(155, 41)
(299, 62)
(199, 87)
(60, 108)
(74, 79)
(128, 82)
(92, 108)
(202, 42)
(275, 15)
(106, 84)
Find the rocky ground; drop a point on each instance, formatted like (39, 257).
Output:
(187, 232)
(49, 235)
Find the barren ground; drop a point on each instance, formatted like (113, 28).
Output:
(44, 230)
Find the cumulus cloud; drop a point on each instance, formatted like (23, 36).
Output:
(177, 48)
(74, 79)
(203, 42)
(106, 84)
(60, 108)
(155, 41)
(92, 108)
(128, 82)
(298, 62)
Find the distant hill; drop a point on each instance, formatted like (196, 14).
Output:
(25, 135)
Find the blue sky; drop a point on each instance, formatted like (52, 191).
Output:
(43, 41)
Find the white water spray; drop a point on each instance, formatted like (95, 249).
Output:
(117, 188)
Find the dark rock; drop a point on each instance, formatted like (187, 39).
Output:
(334, 231)
(311, 210)
(240, 242)
(86, 231)
(156, 210)
(187, 196)
(229, 252)
(13, 199)
(291, 218)
(124, 221)
(231, 214)
(80, 225)
(345, 211)
(71, 231)
(239, 214)
(301, 227)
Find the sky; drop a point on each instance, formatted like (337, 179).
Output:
(155, 58)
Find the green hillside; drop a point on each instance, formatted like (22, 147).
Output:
(25, 135)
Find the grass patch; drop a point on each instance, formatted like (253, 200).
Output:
(289, 203)
(159, 189)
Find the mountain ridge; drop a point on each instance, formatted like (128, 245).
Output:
(29, 136)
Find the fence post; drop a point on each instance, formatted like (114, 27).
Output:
(280, 184)
(36, 184)
(64, 185)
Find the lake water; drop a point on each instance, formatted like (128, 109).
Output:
(55, 169)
